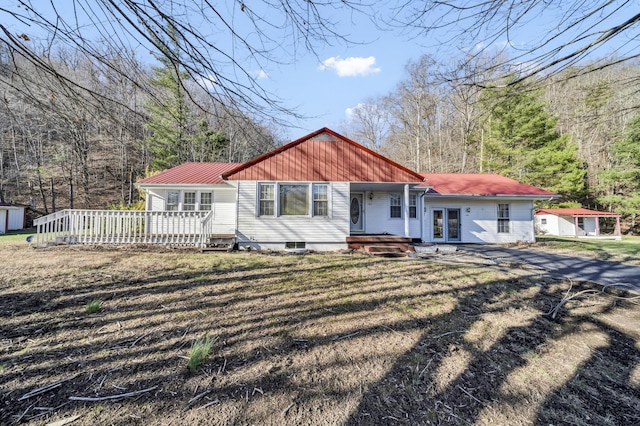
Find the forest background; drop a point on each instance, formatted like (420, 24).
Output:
(78, 129)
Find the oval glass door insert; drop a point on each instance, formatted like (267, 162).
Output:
(355, 210)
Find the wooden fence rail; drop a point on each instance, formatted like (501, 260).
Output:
(124, 227)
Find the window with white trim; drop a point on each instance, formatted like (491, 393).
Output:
(206, 199)
(413, 206)
(267, 199)
(173, 199)
(395, 205)
(320, 199)
(503, 219)
(189, 203)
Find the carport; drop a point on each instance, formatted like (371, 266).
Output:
(577, 222)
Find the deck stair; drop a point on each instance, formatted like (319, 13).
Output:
(357, 242)
(220, 242)
(385, 251)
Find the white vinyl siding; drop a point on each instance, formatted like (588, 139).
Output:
(480, 225)
(318, 232)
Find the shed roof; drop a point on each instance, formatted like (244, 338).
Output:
(576, 212)
(480, 184)
(326, 156)
(191, 173)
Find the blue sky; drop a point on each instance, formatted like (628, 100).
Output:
(323, 85)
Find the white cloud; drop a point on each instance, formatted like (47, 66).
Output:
(261, 74)
(351, 66)
(350, 112)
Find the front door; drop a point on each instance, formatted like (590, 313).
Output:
(356, 212)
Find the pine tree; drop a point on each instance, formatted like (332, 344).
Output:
(522, 142)
(175, 133)
(623, 179)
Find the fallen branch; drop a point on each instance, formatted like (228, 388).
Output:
(568, 297)
(471, 396)
(346, 336)
(45, 388)
(140, 338)
(105, 398)
(197, 397)
(448, 333)
(215, 401)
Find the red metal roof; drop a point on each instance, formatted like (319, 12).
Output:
(325, 156)
(575, 212)
(192, 173)
(479, 184)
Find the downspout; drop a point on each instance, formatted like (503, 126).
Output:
(422, 213)
(406, 210)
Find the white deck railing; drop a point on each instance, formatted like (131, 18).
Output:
(124, 227)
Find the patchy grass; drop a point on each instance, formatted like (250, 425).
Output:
(199, 352)
(312, 339)
(626, 250)
(93, 306)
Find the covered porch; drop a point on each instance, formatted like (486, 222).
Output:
(385, 210)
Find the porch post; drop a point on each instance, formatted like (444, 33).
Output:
(406, 210)
(575, 225)
(597, 226)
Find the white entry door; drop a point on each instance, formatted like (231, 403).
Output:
(356, 210)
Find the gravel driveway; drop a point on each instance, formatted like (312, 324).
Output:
(603, 272)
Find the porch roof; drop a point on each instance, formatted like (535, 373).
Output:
(576, 212)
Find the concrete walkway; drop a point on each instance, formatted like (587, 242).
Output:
(578, 268)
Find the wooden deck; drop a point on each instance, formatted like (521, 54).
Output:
(394, 243)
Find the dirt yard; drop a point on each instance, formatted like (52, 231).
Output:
(305, 340)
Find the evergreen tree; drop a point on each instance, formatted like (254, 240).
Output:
(522, 142)
(623, 179)
(175, 134)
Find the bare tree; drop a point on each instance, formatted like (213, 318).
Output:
(559, 35)
(221, 46)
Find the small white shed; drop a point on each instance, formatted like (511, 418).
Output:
(574, 222)
(12, 218)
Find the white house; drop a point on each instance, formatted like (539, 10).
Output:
(320, 192)
(574, 222)
(325, 191)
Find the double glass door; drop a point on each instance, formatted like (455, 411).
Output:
(446, 224)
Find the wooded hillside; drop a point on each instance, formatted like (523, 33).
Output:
(62, 147)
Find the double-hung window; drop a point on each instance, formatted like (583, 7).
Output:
(413, 206)
(206, 199)
(267, 199)
(189, 203)
(395, 205)
(503, 219)
(173, 199)
(320, 199)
